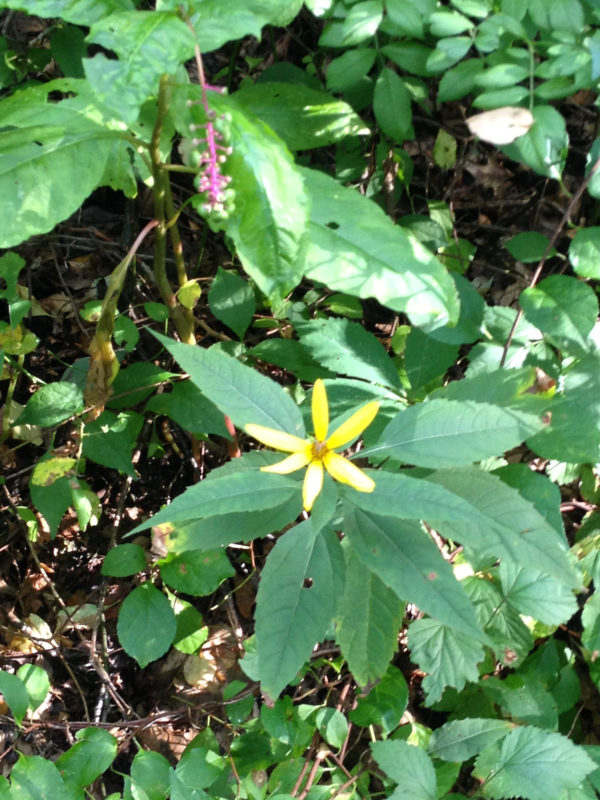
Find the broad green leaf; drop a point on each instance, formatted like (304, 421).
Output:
(535, 594)
(350, 68)
(369, 616)
(135, 383)
(407, 560)
(448, 23)
(449, 656)
(332, 725)
(303, 117)
(584, 252)
(445, 433)
(566, 439)
(347, 348)
(52, 501)
(425, 358)
(232, 301)
(296, 601)
(110, 439)
(285, 722)
(189, 408)
(196, 572)
(392, 106)
(538, 489)
(514, 529)
(447, 53)
(529, 247)
(524, 699)
(459, 81)
(292, 356)
(199, 765)
(406, 17)
(239, 391)
(590, 619)
(532, 763)
(216, 23)
(146, 625)
(409, 766)
(461, 739)
(362, 22)
(191, 631)
(226, 494)
(385, 703)
(124, 560)
(36, 681)
(148, 44)
(11, 265)
(52, 469)
(52, 404)
(544, 146)
(70, 150)
(79, 12)
(150, 771)
(354, 247)
(562, 307)
(37, 778)
(409, 56)
(92, 754)
(15, 695)
(270, 216)
(501, 75)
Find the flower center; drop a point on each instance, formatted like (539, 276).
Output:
(319, 449)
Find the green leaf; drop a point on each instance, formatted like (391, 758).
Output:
(426, 358)
(292, 356)
(36, 681)
(226, 494)
(239, 391)
(136, 383)
(524, 699)
(332, 725)
(449, 656)
(189, 408)
(191, 631)
(535, 594)
(296, 601)
(52, 469)
(15, 695)
(196, 572)
(392, 106)
(271, 204)
(584, 252)
(373, 259)
(533, 764)
(444, 150)
(369, 616)
(303, 117)
(448, 23)
(562, 307)
(199, 766)
(407, 560)
(362, 22)
(529, 247)
(150, 772)
(92, 754)
(462, 739)
(409, 766)
(146, 625)
(148, 44)
(124, 560)
(82, 12)
(67, 45)
(410, 56)
(231, 300)
(501, 75)
(110, 439)
(349, 69)
(347, 348)
(459, 81)
(37, 778)
(385, 703)
(445, 433)
(590, 619)
(544, 146)
(52, 404)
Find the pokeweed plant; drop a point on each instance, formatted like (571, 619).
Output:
(360, 542)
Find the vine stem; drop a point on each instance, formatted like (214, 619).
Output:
(555, 236)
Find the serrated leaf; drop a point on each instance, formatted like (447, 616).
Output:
(348, 348)
(562, 307)
(461, 739)
(354, 247)
(538, 595)
(525, 700)
(15, 695)
(444, 433)
(232, 301)
(532, 763)
(52, 404)
(110, 439)
(385, 704)
(189, 408)
(406, 559)
(239, 391)
(296, 601)
(409, 766)
(449, 656)
(303, 117)
(369, 616)
(146, 625)
(392, 106)
(82, 12)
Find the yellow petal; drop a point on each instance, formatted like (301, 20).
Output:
(289, 464)
(356, 424)
(313, 483)
(344, 471)
(276, 439)
(320, 410)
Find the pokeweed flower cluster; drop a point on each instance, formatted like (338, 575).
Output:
(318, 453)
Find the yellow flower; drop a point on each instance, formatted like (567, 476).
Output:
(319, 452)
